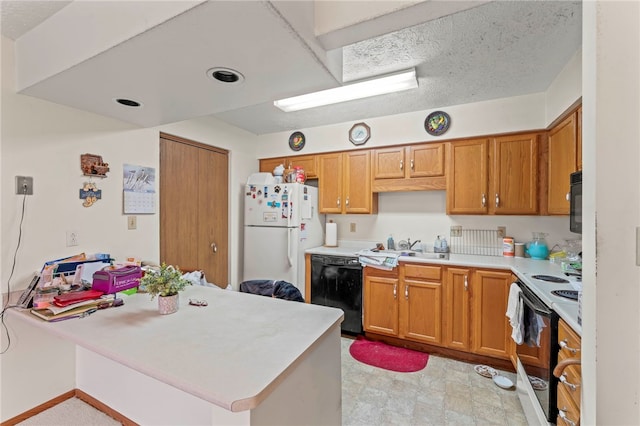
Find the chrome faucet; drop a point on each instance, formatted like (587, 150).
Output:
(412, 244)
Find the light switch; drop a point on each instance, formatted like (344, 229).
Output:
(131, 222)
(352, 227)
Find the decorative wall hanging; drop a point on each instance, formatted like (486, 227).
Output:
(359, 134)
(90, 194)
(139, 189)
(296, 141)
(92, 165)
(437, 123)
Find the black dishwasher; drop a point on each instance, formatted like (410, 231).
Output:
(336, 281)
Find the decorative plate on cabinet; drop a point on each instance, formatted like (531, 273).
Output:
(437, 123)
(296, 141)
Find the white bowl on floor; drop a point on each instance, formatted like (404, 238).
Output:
(502, 381)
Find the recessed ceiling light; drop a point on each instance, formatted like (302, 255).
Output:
(225, 75)
(128, 102)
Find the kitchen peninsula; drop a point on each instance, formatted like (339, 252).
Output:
(243, 359)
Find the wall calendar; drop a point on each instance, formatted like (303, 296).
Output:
(139, 189)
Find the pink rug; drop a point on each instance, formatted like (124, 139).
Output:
(389, 357)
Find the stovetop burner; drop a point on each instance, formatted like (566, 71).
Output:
(568, 294)
(550, 278)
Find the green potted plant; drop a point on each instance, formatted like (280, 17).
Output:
(165, 283)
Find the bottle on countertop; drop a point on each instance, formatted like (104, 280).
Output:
(391, 245)
(440, 245)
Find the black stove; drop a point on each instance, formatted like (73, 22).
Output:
(550, 278)
(567, 294)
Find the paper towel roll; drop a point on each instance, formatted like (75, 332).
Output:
(331, 236)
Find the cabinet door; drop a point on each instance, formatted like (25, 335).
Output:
(268, 164)
(307, 162)
(426, 160)
(388, 163)
(562, 162)
(358, 197)
(457, 310)
(490, 326)
(467, 177)
(330, 183)
(380, 305)
(420, 311)
(514, 175)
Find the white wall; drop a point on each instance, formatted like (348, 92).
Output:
(45, 140)
(565, 89)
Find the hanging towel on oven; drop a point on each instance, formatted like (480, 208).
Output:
(515, 313)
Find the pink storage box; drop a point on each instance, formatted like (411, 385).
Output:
(114, 280)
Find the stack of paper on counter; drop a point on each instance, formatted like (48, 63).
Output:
(53, 312)
(376, 259)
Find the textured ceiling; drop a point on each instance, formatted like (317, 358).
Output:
(18, 17)
(492, 50)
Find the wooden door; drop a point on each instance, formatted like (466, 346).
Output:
(467, 177)
(358, 196)
(330, 183)
(514, 175)
(380, 304)
(420, 311)
(309, 164)
(426, 160)
(491, 331)
(562, 162)
(194, 207)
(457, 286)
(388, 163)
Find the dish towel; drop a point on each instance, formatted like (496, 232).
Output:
(515, 312)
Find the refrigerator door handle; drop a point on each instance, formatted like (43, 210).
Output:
(289, 247)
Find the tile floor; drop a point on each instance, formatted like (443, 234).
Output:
(445, 392)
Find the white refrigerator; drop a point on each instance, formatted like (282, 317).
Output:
(281, 221)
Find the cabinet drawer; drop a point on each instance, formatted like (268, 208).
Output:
(424, 272)
(568, 413)
(568, 340)
(572, 381)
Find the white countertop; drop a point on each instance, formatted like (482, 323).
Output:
(231, 353)
(524, 268)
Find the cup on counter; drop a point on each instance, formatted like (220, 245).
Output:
(519, 249)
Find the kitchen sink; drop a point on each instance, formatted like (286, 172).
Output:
(418, 254)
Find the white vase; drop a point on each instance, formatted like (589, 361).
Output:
(168, 304)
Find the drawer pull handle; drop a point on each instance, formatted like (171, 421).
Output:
(346, 202)
(406, 292)
(568, 196)
(563, 415)
(484, 200)
(338, 202)
(412, 164)
(401, 164)
(497, 200)
(395, 291)
(466, 283)
(563, 345)
(570, 385)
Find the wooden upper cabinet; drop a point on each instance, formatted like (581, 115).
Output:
(514, 175)
(467, 177)
(562, 162)
(409, 168)
(308, 162)
(345, 183)
(579, 144)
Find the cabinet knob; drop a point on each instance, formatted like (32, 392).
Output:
(338, 202)
(466, 283)
(406, 292)
(484, 200)
(401, 164)
(568, 196)
(497, 200)
(346, 202)
(395, 291)
(412, 164)
(214, 247)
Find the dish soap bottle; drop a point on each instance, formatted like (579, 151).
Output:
(391, 245)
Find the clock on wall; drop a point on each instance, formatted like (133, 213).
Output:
(359, 134)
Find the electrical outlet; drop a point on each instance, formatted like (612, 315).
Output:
(72, 238)
(352, 227)
(24, 185)
(456, 231)
(502, 231)
(131, 222)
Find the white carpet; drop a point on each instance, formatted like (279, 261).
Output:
(72, 412)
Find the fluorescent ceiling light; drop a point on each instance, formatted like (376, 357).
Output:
(396, 82)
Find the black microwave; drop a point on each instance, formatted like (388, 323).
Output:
(575, 202)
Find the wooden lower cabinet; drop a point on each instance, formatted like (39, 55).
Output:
(490, 331)
(569, 376)
(404, 303)
(457, 309)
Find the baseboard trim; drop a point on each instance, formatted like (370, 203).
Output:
(77, 393)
